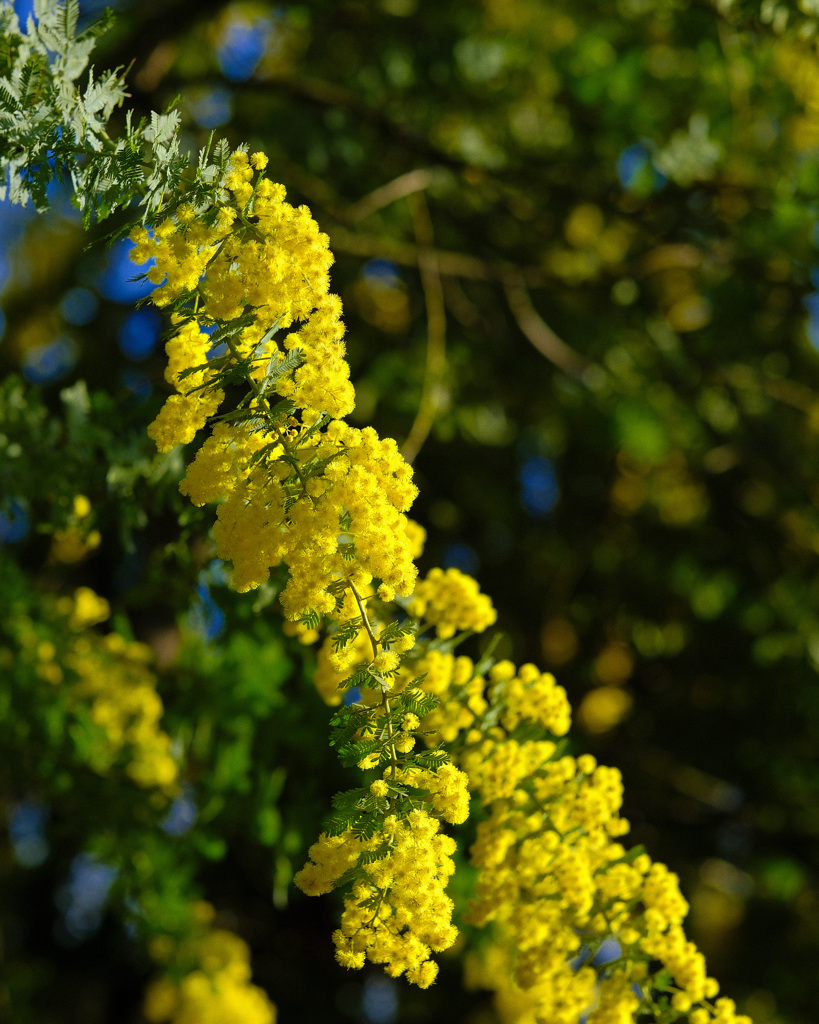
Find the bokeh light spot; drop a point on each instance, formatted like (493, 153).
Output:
(539, 489)
(44, 364)
(139, 333)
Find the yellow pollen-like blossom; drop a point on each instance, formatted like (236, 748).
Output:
(399, 914)
(451, 601)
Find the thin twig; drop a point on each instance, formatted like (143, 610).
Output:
(450, 264)
(399, 188)
(539, 332)
(385, 701)
(437, 263)
(432, 393)
(460, 305)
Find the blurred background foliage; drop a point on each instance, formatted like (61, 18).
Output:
(577, 247)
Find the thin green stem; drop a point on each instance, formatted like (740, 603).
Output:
(385, 701)
(268, 414)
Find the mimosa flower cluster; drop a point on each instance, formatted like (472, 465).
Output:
(208, 980)
(398, 912)
(451, 601)
(297, 486)
(115, 680)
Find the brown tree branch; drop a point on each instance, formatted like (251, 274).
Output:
(399, 188)
(539, 333)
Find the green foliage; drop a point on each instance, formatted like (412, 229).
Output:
(348, 631)
(53, 128)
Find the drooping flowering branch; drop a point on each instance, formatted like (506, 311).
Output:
(553, 880)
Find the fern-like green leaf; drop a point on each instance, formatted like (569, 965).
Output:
(311, 619)
(347, 633)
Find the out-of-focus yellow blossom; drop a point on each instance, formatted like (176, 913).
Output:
(88, 609)
(115, 681)
(76, 540)
(560, 997)
(108, 684)
(669, 486)
(417, 537)
(604, 708)
(595, 246)
(216, 989)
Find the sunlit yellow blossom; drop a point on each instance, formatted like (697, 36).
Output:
(532, 696)
(447, 788)
(412, 915)
(385, 661)
(450, 600)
